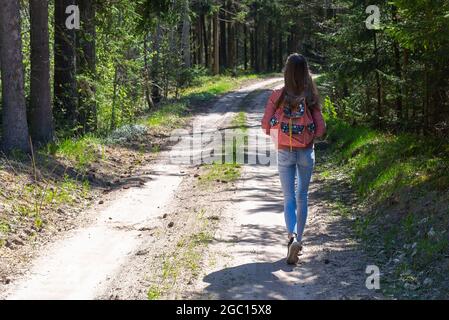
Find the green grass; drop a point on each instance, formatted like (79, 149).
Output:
(81, 151)
(154, 293)
(382, 164)
(29, 204)
(62, 192)
(170, 116)
(67, 188)
(229, 169)
(209, 86)
(37, 198)
(221, 171)
(4, 227)
(402, 181)
(202, 237)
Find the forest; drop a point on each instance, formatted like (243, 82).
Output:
(127, 56)
(90, 91)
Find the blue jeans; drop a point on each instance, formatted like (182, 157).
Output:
(291, 164)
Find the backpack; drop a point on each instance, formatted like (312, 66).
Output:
(293, 126)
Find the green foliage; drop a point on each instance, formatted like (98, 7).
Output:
(4, 227)
(154, 293)
(404, 64)
(169, 116)
(383, 164)
(329, 111)
(402, 182)
(81, 151)
(221, 172)
(119, 66)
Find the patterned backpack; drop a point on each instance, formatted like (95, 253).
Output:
(293, 125)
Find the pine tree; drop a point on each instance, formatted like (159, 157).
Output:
(41, 118)
(15, 127)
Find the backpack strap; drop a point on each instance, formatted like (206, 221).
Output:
(290, 129)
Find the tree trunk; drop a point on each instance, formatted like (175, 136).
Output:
(426, 99)
(245, 47)
(185, 38)
(114, 99)
(231, 47)
(231, 40)
(223, 41)
(256, 46)
(205, 41)
(155, 91)
(146, 71)
(211, 44)
(270, 47)
(295, 42)
(404, 88)
(398, 73)
(86, 66)
(253, 50)
(216, 66)
(280, 52)
(14, 122)
(172, 47)
(41, 117)
(237, 33)
(65, 91)
(378, 83)
(199, 37)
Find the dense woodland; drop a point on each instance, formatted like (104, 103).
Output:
(127, 57)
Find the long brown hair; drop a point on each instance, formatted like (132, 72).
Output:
(298, 83)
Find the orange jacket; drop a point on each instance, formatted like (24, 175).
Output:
(270, 109)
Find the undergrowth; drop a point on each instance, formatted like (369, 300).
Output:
(402, 182)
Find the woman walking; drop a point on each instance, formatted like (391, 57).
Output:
(293, 118)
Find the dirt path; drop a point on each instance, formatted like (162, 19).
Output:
(171, 238)
(249, 249)
(82, 264)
